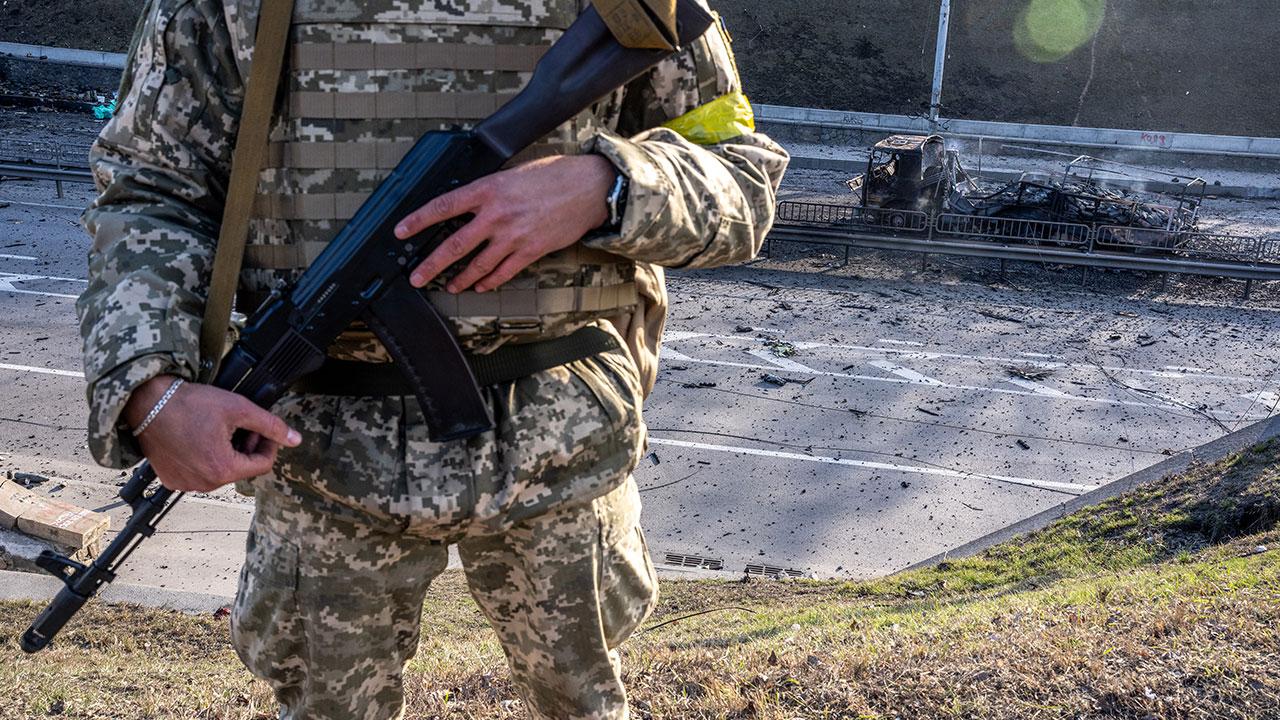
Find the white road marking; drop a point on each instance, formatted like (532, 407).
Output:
(1040, 356)
(44, 205)
(1036, 388)
(8, 279)
(670, 354)
(781, 362)
(677, 336)
(42, 371)
(909, 375)
(1269, 398)
(911, 469)
(6, 256)
(900, 342)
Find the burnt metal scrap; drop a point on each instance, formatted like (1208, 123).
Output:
(920, 174)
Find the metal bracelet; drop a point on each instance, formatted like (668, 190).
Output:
(173, 388)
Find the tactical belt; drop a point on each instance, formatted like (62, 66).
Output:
(346, 378)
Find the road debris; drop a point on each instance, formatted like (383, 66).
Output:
(780, 381)
(1029, 372)
(927, 412)
(781, 348)
(998, 316)
(698, 385)
(26, 479)
(1023, 444)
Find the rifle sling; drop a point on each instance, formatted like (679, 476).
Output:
(247, 159)
(508, 363)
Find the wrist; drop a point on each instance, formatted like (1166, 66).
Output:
(144, 398)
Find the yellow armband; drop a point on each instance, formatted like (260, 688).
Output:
(721, 119)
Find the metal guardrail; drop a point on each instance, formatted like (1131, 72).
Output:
(1031, 232)
(1156, 141)
(46, 172)
(1121, 248)
(825, 214)
(59, 163)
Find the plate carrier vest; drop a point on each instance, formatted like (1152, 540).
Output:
(365, 80)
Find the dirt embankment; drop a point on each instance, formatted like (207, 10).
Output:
(1178, 65)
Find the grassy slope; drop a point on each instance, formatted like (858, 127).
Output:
(1157, 604)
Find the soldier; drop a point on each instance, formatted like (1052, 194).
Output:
(355, 506)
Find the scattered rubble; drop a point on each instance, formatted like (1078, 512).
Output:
(781, 348)
(1029, 372)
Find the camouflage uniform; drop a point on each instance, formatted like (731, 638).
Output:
(352, 526)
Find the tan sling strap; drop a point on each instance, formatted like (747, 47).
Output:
(640, 23)
(275, 17)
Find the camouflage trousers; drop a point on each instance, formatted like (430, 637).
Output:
(353, 526)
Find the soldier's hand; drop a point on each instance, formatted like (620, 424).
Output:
(189, 441)
(521, 214)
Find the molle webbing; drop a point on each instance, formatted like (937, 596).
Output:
(364, 82)
(520, 309)
(456, 105)
(415, 56)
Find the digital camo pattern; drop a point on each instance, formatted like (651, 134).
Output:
(162, 166)
(564, 435)
(328, 609)
(349, 527)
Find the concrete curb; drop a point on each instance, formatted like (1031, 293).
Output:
(42, 588)
(1209, 452)
(62, 56)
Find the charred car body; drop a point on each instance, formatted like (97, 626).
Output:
(909, 175)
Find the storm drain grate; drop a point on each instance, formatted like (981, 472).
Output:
(693, 561)
(773, 571)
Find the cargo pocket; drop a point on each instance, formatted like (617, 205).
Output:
(614, 383)
(266, 626)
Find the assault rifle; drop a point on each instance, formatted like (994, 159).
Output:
(363, 275)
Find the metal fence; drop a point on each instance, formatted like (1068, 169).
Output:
(1103, 246)
(828, 215)
(1031, 232)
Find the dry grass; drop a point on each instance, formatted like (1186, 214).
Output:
(1156, 605)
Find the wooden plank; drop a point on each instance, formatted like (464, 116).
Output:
(50, 519)
(14, 500)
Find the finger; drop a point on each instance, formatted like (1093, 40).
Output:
(250, 417)
(459, 245)
(494, 256)
(244, 466)
(250, 443)
(450, 205)
(512, 266)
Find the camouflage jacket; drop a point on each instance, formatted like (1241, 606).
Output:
(162, 166)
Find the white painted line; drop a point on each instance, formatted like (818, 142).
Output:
(43, 205)
(670, 354)
(900, 342)
(677, 336)
(1040, 356)
(1269, 398)
(6, 256)
(781, 362)
(911, 469)
(8, 279)
(42, 371)
(910, 376)
(1036, 388)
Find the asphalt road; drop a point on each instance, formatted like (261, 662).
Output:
(918, 412)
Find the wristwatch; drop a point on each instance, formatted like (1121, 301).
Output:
(617, 202)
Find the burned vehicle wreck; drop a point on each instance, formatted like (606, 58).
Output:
(910, 175)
